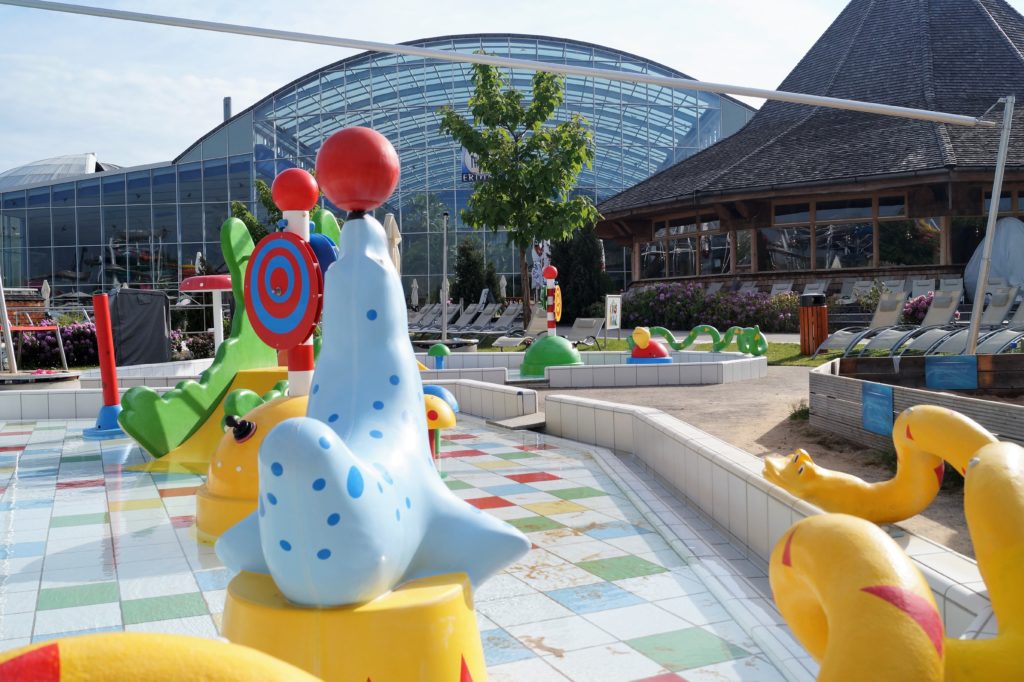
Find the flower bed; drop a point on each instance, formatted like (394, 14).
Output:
(684, 305)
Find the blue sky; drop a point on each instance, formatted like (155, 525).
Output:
(137, 94)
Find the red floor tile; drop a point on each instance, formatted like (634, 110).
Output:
(12, 448)
(459, 436)
(183, 521)
(178, 492)
(462, 453)
(664, 677)
(489, 502)
(535, 476)
(91, 483)
(534, 448)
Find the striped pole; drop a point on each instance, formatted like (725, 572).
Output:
(300, 358)
(550, 272)
(106, 422)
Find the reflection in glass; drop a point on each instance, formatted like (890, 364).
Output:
(786, 214)
(714, 254)
(965, 238)
(844, 209)
(652, 260)
(783, 248)
(744, 259)
(683, 257)
(846, 245)
(909, 242)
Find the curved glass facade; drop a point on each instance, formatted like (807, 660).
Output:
(145, 225)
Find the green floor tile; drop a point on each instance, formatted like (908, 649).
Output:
(515, 455)
(620, 567)
(79, 520)
(685, 649)
(577, 493)
(163, 608)
(79, 458)
(534, 524)
(457, 485)
(77, 595)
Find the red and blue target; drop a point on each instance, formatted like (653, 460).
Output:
(283, 290)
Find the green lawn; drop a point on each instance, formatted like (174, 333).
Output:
(781, 354)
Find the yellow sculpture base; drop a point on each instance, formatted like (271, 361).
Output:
(215, 514)
(424, 630)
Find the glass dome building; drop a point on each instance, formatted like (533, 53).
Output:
(145, 225)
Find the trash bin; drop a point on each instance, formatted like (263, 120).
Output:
(813, 322)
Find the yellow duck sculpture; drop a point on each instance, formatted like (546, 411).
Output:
(856, 602)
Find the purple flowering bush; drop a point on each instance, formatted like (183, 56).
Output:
(39, 349)
(191, 346)
(915, 309)
(684, 305)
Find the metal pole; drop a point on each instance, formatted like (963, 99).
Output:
(444, 280)
(508, 62)
(990, 229)
(12, 363)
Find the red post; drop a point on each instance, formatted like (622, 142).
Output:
(105, 350)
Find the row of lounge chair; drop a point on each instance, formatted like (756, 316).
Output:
(473, 318)
(939, 332)
(851, 289)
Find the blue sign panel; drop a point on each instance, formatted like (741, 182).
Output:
(952, 371)
(876, 408)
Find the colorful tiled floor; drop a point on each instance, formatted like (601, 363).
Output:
(623, 582)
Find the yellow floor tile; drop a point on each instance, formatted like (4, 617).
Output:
(498, 465)
(549, 508)
(134, 505)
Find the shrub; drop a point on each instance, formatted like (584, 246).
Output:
(915, 309)
(39, 349)
(684, 305)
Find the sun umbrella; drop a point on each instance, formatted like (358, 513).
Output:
(394, 239)
(414, 294)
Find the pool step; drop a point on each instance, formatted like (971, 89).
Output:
(525, 422)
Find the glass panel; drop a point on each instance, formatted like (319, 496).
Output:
(965, 238)
(681, 225)
(39, 197)
(113, 190)
(64, 195)
(139, 225)
(65, 269)
(216, 214)
(39, 266)
(189, 255)
(682, 257)
(63, 226)
(909, 242)
(715, 258)
(38, 231)
(744, 258)
(14, 267)
(165, 267)
(652, 260)
(1005, 202)
(89, 229)
(792, 213)
(139, 191)
(90, 265)
(240, 178)
(215, 180)
(88, 193)
(165, 224)
(891, 206)
(164, 191)
(14, 200)
(784, 249)
(190, 183)
(191, 221)
(847, 245)
(847, 209)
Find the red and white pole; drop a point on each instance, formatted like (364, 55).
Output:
(550, 273)
(106, 423)
(300, 358)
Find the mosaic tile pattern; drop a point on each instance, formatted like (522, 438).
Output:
(88, 546)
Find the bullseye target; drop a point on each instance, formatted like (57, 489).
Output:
(283, 290)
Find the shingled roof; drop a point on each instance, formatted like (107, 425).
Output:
(956, 56)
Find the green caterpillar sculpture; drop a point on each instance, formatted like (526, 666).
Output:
(748, 339)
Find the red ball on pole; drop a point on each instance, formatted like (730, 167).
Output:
(550, 272)
(294, 190)
(357, 169)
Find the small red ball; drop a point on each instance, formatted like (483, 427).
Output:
(357, 169)
(550, 272)
(294, 190)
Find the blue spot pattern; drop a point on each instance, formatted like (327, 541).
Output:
(271, 498)
(316, 388)
(319, 484)
(337, 443)
(286, 546)
(371, 314)
(276, 469)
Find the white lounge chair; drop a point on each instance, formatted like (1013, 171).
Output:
(939, 316)
(780, 288)
(954, 340)
(887, 314)
(852, 290)
(819, 287)
(920, 287)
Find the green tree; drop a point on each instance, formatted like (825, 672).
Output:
(469, 271)
(581, 275)
(529, 169)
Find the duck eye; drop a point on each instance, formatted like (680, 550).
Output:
(241, 429)
(795, 457)
(800, 470)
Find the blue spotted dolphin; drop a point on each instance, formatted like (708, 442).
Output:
(350, 504)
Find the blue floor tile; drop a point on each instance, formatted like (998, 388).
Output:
(616, 530)
(501, 647)
(214, 579)
(596, 597)
(21, 550)
(511, 489)
(75, 633)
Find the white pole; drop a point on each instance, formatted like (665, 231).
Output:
(12, 363)
(300, 372)
(444, 280)
(990, 229)
(218, 321)
(508, 62)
